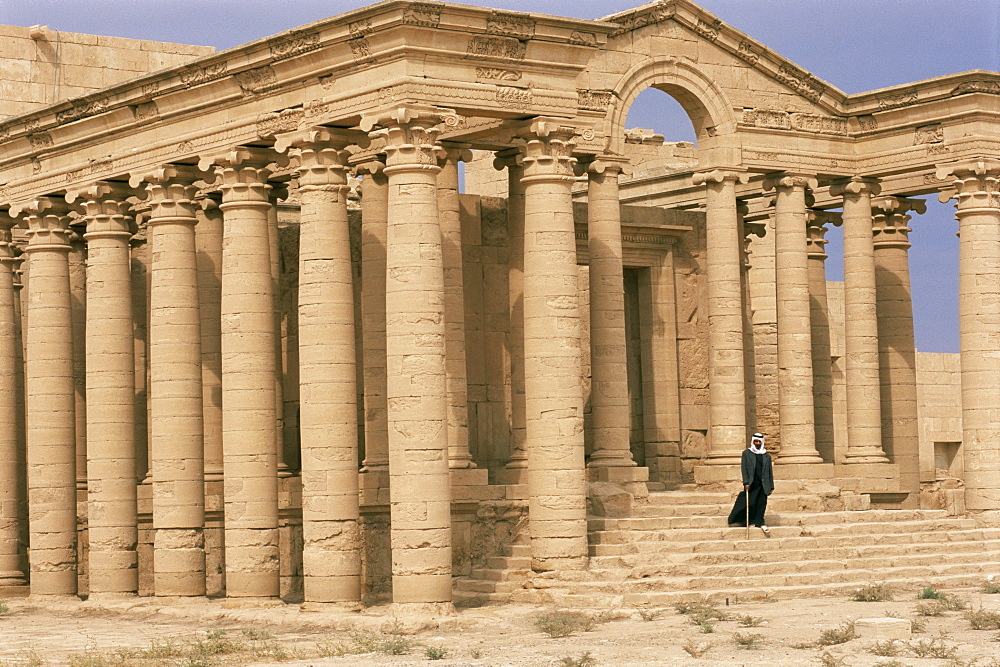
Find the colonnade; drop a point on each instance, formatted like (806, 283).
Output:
(413, 357)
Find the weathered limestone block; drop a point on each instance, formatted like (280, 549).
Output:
(607, 499)
(883, 629)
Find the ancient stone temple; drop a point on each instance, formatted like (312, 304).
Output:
(260, 336)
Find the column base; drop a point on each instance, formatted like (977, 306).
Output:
(723, 459)
(316, 607)
(865, 458)
(798, 458)
(15, 591)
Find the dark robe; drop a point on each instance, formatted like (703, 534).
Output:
(758, 474)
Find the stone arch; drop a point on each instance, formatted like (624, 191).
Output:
(706, 104)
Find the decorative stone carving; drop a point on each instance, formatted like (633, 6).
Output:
(254, 81)
(643, 16)
(991, 87)
(422, 14)
(867, 123)
(802, 122)
(708, 29)
(40, 140)
(294, 44)
(513, 98)
(145, 111)
(928, 134)
(594, 100)
(198, 75)
(747, 53)
(82, 109)
(583, 38)
(361, 50)
(359, 28)
(510, 24)
(279, 121)
(500, 73)
(802, 82)
(897, 100)
(506, 48)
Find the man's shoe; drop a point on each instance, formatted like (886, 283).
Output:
(767, 531)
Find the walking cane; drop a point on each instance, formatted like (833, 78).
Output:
(746, 494)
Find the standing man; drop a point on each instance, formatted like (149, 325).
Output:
(758, 483)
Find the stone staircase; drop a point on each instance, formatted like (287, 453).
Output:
(678, 548)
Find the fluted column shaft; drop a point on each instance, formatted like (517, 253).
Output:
(208, 240)
(795, 378)
(175, 386)
(454, 310)
(864, 419)
(112, 519)
(419, 487)
(977, 189)
(11, 459)
(331, 553)
(611, 413)
(250, 453)
(50, 400)
(557, 484)
(726, 345)
(515, 280)
(819, 309)
(374, 221)
(897, 350)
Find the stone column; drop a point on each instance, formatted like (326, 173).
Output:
(864, 419)
(454, 308)
(511, 160)
(897, 351)
(819, 309)
(977, 191)
(374, 220)
(795, 378)
(748, 228)
(208, 240)
(557, 485)
(50, 400)
(419, 486)
(331, 553)
(110, 382)
(11, 460)
(726, 367)
(611, 414)
(175, 383)
(250, 452)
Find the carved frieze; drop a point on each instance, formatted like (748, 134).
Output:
(36, 166)
(497, 73)
(583, 38)
(867, 123)
(594, 100)
(991, 87)
(145, 111)
(197, 75)
(928, 134)
(803, 83)
(82, 109)
(510, 24)
(150, 89)
(273, 123)
(327, 81)
(100, 165)
(897, 100)
(40, 140)
(746, 52)
(513, 98)
(422, 14)
(708, 29)
(254, 81)
(4, 133)
(359, 28)
(506, 48)
(767, 118)
(294, 44)
(801, 122)
(644, 16)
(360, 50)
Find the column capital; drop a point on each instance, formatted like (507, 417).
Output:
(370, 167)
(454, 152)
(787, 180)
(816, 228)
(104, 208)
(321, 137)
(890, 216)
(599, 165)
(508, 157)
(719, 175)
(242, 174)
(976, 184)
(170, 190)
(7, 221)
(855, 185)
(547, 146)
(7, 249)
(48, 221)
(410, 133)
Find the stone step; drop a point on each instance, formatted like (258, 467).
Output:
(814, 523)
(499, 574)
(508, 563)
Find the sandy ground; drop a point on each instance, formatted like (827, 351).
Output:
(147, 633)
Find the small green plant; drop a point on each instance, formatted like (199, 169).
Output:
(918, 625)
(747, 640)
(435, 652)
(256, 635)
(991, 587)
(839, 635)
(696, 649)
(707, 627)
(3, 607)
(929, 593)
(564, 623)
(886, 649)
(934, 608)
(475, 654)
(650, 614)
(981, 619)
(933, 648)
(748, 621)
(890, 663)
(830, 660)
(874, 592)
(585, 660)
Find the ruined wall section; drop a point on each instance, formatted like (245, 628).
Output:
(57, 66)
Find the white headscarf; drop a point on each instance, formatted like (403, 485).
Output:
(757, 443)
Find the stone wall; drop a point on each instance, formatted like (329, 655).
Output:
(58, 66)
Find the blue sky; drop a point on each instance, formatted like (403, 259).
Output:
(856, 45)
